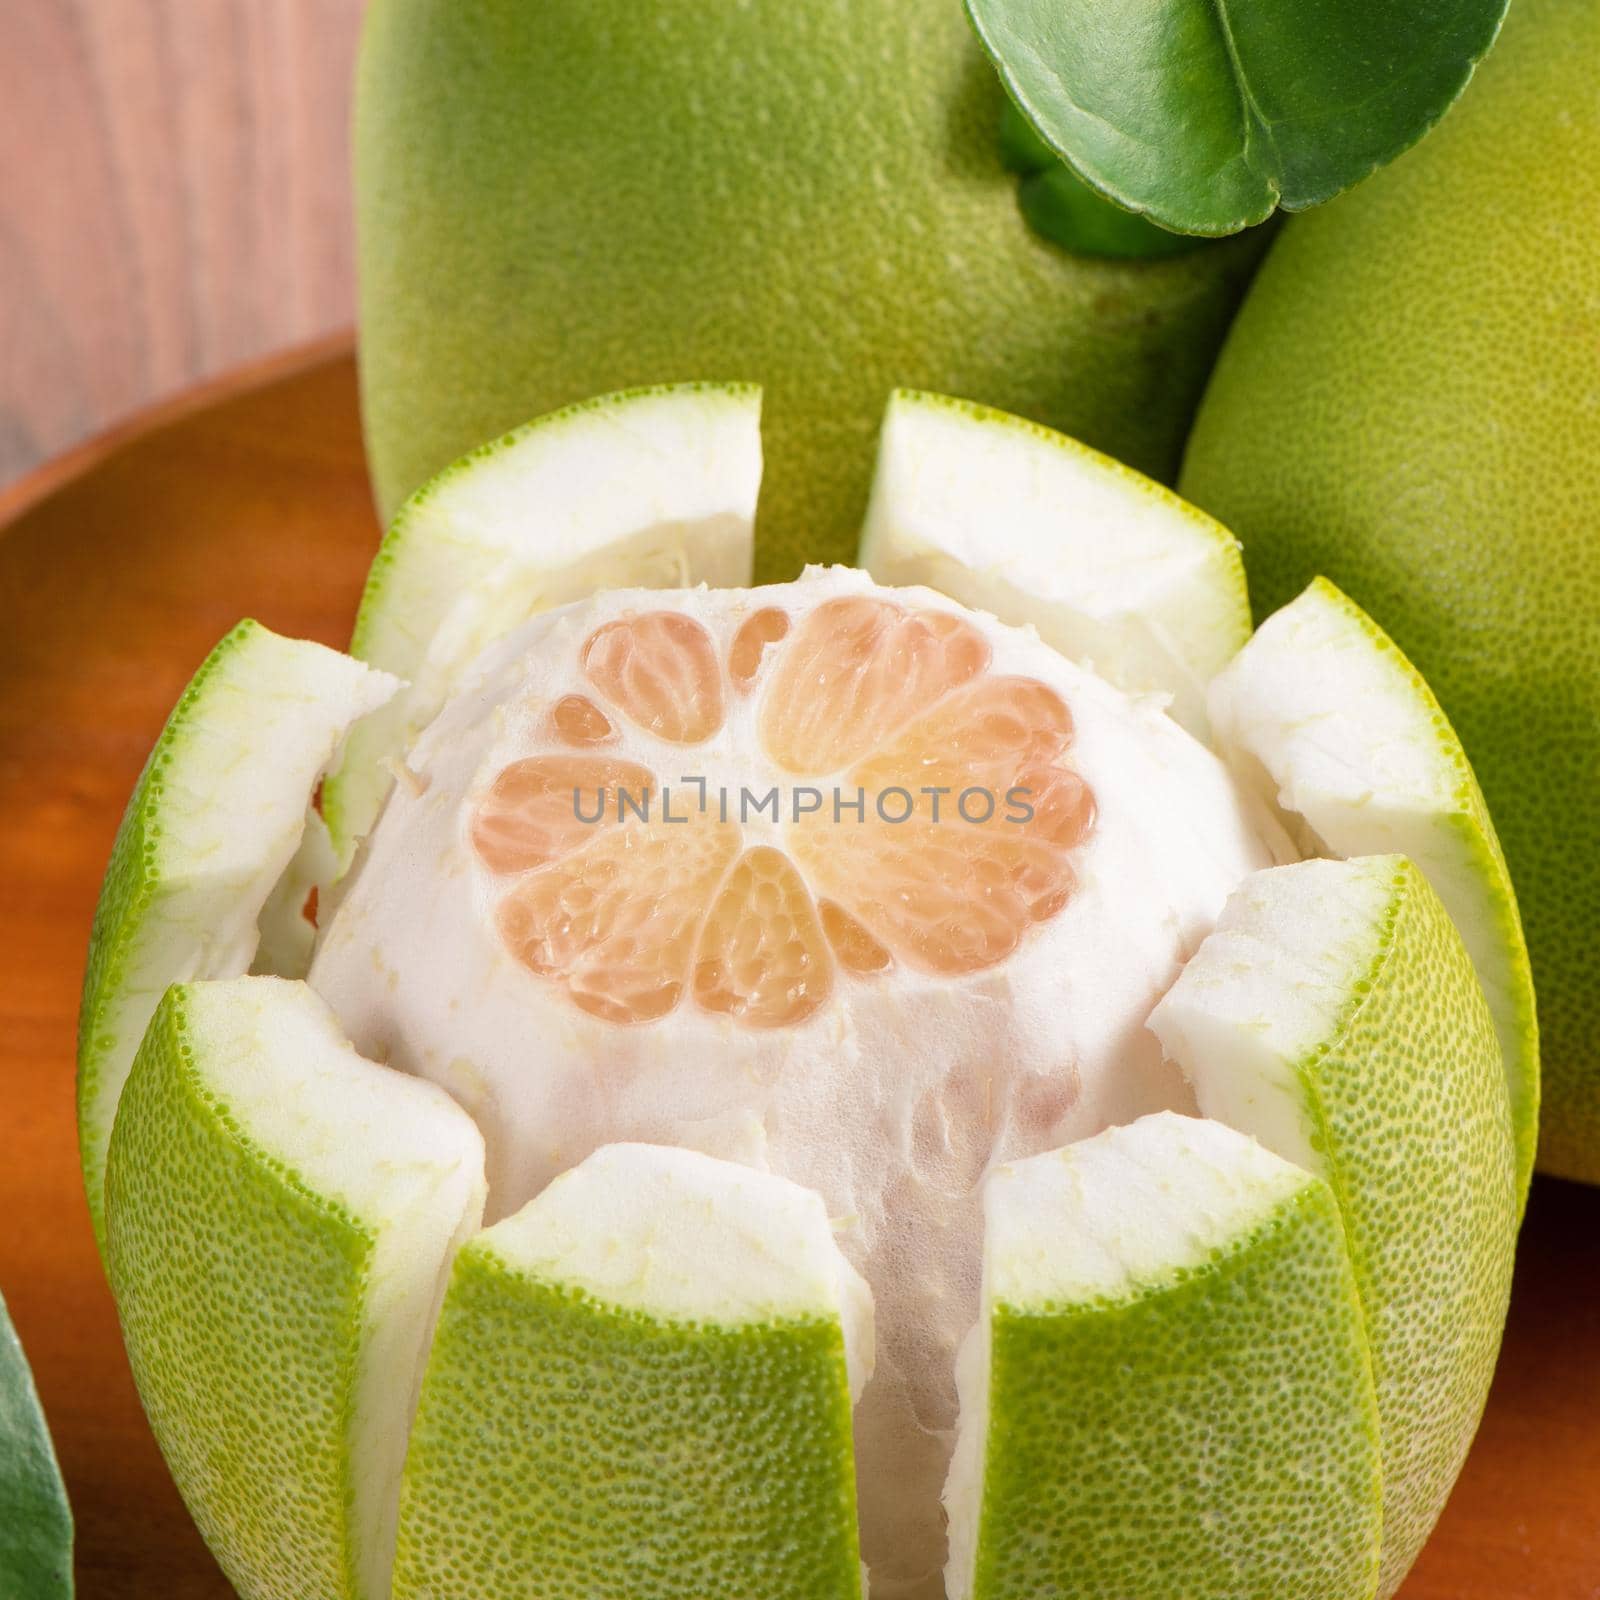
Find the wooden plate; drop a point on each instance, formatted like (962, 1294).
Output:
(119, 568)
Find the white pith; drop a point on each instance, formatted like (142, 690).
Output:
(396, 1154)
(877, 1101)
(1349, 739)
(1098, 1222)
(236, 784)
(688, 1238)
(650, 489)
(1113, 570)
(1268, 990)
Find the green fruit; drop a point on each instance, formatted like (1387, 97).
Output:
(1170, 1343)
(1409, 403)
(281, 1215)
(1334, 1013)
(35, 1519)
(215, 821)
(560, 198)
(640, 1387)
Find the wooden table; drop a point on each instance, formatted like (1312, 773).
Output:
(118, 570)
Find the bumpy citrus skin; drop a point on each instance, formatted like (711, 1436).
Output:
(1389, 1086)
(578, 195)
(1408, 404)
(1198, 1420)
(598, 1421)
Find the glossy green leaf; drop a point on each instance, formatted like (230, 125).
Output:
(35, 1520)
(1062, 208)
(1208, 114)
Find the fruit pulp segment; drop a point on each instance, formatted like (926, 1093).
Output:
(951, 836)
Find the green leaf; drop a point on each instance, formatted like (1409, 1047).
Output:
(1207, 114)
(35, 1520)
(1062, 208)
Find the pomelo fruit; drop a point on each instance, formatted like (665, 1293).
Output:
(646, 1283)
(836, 898)
(579, 195)
(1409, 404)
(1169, 1321)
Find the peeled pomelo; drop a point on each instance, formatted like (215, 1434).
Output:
(578, 195)
(1408, 404)
(645, 1285)
(835, 946)
(1351, 744)
(216, 819)
(840, 897)
(280, 1218)
(652, 488)
(1335, 1014)
(1170, 1342)
(1113, 570)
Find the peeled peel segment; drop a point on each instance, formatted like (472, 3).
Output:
(1335, 1015)
(651, 488)
(1324, 711)
(217, 816)
(1115, 571)
(281, 1215)
(1170, 1341)
(645, 1375)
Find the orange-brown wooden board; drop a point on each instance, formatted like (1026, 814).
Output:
(114, 582)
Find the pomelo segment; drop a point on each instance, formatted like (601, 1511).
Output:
(1335, 1014)
(652, 488)
(280, 1217)
(1168, 1392)
(1112, 569)
(641, 1385)
(1349, 738)
(215, 821)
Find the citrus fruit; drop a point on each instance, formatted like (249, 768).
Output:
(214, 822)
(709, 939)
(1169, 1321)
(1351, 743)
(681, 1287)
(1407, 404)
(1297, 1017)
(832, 878)
(35, 1519)
(271, 1194)
(580, 195)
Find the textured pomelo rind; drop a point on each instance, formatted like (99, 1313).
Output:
(640, 1385)
(1354, 742)
(1114, 570)
(561, 198)
(1335, 1015)
(650, 488)
(35, 1518)
(1407, 403)
(280, 1218)
(215, 820)
(1171, 1340)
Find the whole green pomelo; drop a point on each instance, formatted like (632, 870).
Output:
(560, 197)
(1409, 403)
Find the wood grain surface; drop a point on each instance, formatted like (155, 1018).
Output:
(113, 587)
(174, 199)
